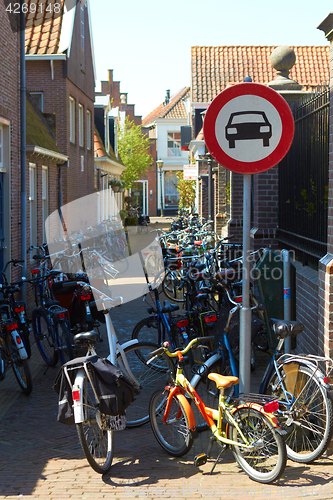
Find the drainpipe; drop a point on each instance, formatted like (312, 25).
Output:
(23, 151)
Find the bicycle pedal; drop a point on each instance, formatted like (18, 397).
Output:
(200, 459)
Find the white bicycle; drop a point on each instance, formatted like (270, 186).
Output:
(94, 428)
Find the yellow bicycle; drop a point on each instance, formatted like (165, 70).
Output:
(247, 425)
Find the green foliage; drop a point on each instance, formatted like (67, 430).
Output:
(186, 190)
(131, 221)
(133, 149)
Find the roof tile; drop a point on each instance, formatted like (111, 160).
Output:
(41, 26)
(174, 109)
(215, 67)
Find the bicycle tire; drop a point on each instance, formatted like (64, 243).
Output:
(174, 436)
(266, 462)
(64, 341)
(150, 377)
(314, 411)
(95, 436)
(146, 330)
(170, 286)
(20, 368)
(44, 336)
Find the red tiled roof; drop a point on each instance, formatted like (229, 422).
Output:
(43, 26)
(214, 68)
(100, 151)
(174, 109)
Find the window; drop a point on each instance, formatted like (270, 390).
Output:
(81, 127)
(174, 144)
(39, 99)
(82, 26)
(82, 163)
(45, 199)
(171, 194)
(33, 204)
(72, 119)
(88, 129)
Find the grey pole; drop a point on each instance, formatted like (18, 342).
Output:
(245, 312)
(209, 161)
(23, 152)
(286, 295)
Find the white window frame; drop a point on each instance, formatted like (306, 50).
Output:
(45, 198)
(89, 142)
(72, 119)
(173, 151)
(82, 163)
(81, 125)
(33, 203)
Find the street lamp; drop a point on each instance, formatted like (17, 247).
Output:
(159, 163)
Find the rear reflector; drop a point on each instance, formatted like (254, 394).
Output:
(11, 327)
(61, 315)
(271, 406)
(327, 380)
(210, 319)
(19, 309)
(76, 395)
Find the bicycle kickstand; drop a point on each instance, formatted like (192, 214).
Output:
(223, 447)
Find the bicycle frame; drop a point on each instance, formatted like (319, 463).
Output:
(220, 429)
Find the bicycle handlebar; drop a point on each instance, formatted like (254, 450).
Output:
(163, 348)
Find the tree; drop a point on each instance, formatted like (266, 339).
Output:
(186, 190)
(133, 149)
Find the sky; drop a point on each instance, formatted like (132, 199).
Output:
(147, 43)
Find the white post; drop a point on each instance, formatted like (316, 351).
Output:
(245, 312)
(286, 295)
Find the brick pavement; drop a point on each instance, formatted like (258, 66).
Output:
(42, 459)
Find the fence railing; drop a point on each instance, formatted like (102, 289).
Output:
(303, 180)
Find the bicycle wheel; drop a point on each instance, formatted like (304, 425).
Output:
(118, 260)
(96, 438)
(265, 461)
(309, 437)
(44, 336)
(64, 341)
(170, 286)
(174, 436)
(20, 367)
(146, 331)
(149, 377)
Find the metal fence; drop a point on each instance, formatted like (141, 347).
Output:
(303, 180)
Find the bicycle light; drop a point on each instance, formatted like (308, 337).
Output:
(327, 380)
(11, 327)
(271, 407)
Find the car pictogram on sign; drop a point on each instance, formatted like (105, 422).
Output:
(247, 125)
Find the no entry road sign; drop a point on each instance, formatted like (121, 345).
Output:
(248, 128)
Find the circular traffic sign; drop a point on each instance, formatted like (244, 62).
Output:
(248, 128)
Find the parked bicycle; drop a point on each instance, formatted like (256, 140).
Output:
(95, 428)
(301, 383)
(12, 349)
(248, 427)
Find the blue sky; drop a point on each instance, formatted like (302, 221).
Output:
(148, 44)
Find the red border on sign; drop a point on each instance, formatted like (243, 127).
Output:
(281, 107)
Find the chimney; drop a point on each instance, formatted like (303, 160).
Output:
(167, 97)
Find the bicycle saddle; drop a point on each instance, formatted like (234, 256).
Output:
(83, 337)
(168, 307)
(223, 381)
(285, 328)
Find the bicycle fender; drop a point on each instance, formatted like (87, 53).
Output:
(256, 406)
(316, 372)
(129, 343)
(178, 393)
(78, 403)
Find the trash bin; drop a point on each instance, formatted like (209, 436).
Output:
(268, 273)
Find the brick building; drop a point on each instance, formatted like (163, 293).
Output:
(60, 78)
(10, 179)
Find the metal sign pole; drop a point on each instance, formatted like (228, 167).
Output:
(286, 295)
(245, 312)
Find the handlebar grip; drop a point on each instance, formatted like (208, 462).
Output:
(157, 352)
(205, 339)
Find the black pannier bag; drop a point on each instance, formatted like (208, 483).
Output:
(115, 392)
